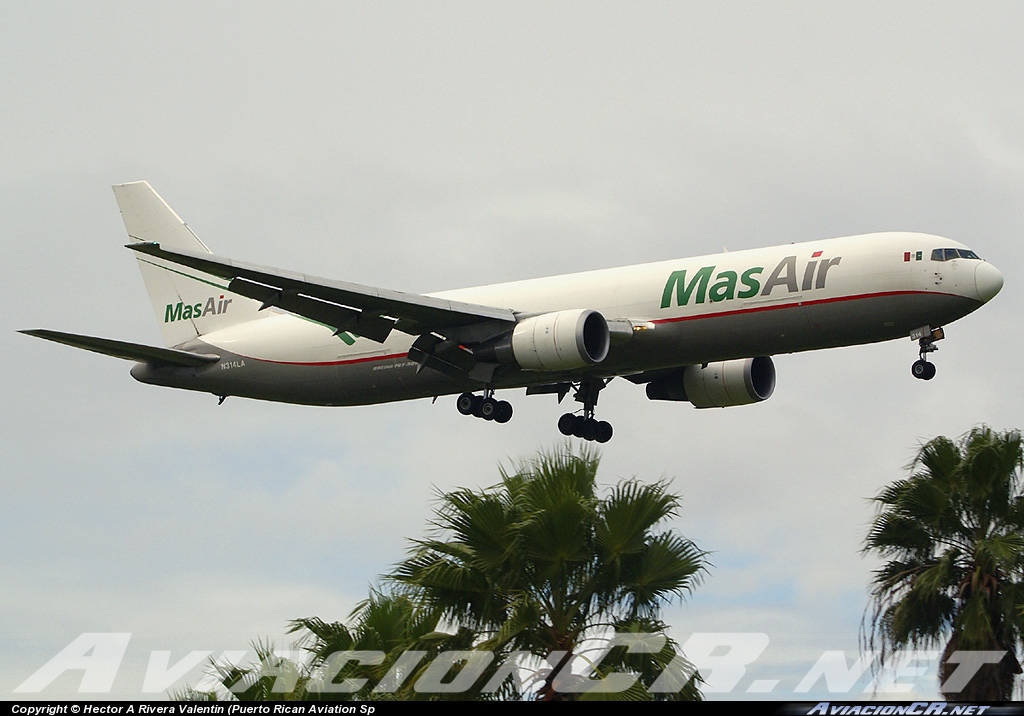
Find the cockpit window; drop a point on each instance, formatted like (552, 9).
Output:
(950, 254)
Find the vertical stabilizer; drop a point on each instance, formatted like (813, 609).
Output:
(187, 303)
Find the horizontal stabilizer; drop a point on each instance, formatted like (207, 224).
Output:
(127, 351)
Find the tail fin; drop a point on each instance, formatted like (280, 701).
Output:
(187, 303)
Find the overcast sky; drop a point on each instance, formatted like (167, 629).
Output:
(424, 146)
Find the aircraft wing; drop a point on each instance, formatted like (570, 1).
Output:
(128, 351)
(362, 310)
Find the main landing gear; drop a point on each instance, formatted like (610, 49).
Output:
(585, 426)
(485, 406)
(922, 369)
(579, 425)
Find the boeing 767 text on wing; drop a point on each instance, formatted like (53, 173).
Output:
(698, 329)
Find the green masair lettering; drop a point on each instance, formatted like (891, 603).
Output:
(724, 287)
(752, 284)
(180, 312)
(683, 290)
(725, 283)
(172, 313)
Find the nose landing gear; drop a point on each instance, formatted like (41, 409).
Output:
(926, 337)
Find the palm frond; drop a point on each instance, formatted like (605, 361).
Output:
(536, 561)
(953, 535)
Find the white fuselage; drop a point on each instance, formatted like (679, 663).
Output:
(795, 297)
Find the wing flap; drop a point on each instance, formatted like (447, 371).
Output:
(125, 350)
(341, 318)
(375, 307)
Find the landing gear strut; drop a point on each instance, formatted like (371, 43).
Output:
(922, 369)
(585, 426)
(484, 406)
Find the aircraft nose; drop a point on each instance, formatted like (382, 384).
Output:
(988, 280)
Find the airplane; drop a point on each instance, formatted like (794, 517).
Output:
(701, 329)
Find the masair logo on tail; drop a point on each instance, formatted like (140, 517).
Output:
(724, 288)
(181, 311)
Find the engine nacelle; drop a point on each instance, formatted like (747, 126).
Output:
(562, 340)
(718, 385)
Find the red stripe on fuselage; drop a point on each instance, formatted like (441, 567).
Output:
(349, 361)
(799, 304)
(719, 314)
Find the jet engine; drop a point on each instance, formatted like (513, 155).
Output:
(562, 340)
(718, 385)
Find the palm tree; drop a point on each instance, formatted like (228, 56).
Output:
(540, 563)
(953, 535)
(529, 570)
(388, 626)
(382, 629)
(270, 678)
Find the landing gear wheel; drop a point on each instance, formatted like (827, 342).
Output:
(566, 423)
(504, 412)
(919, 368)
(488, 409)
(923, 370)
(589, 429)
(478, 402)
(586, 426)
(464, 404)
(579, 426)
